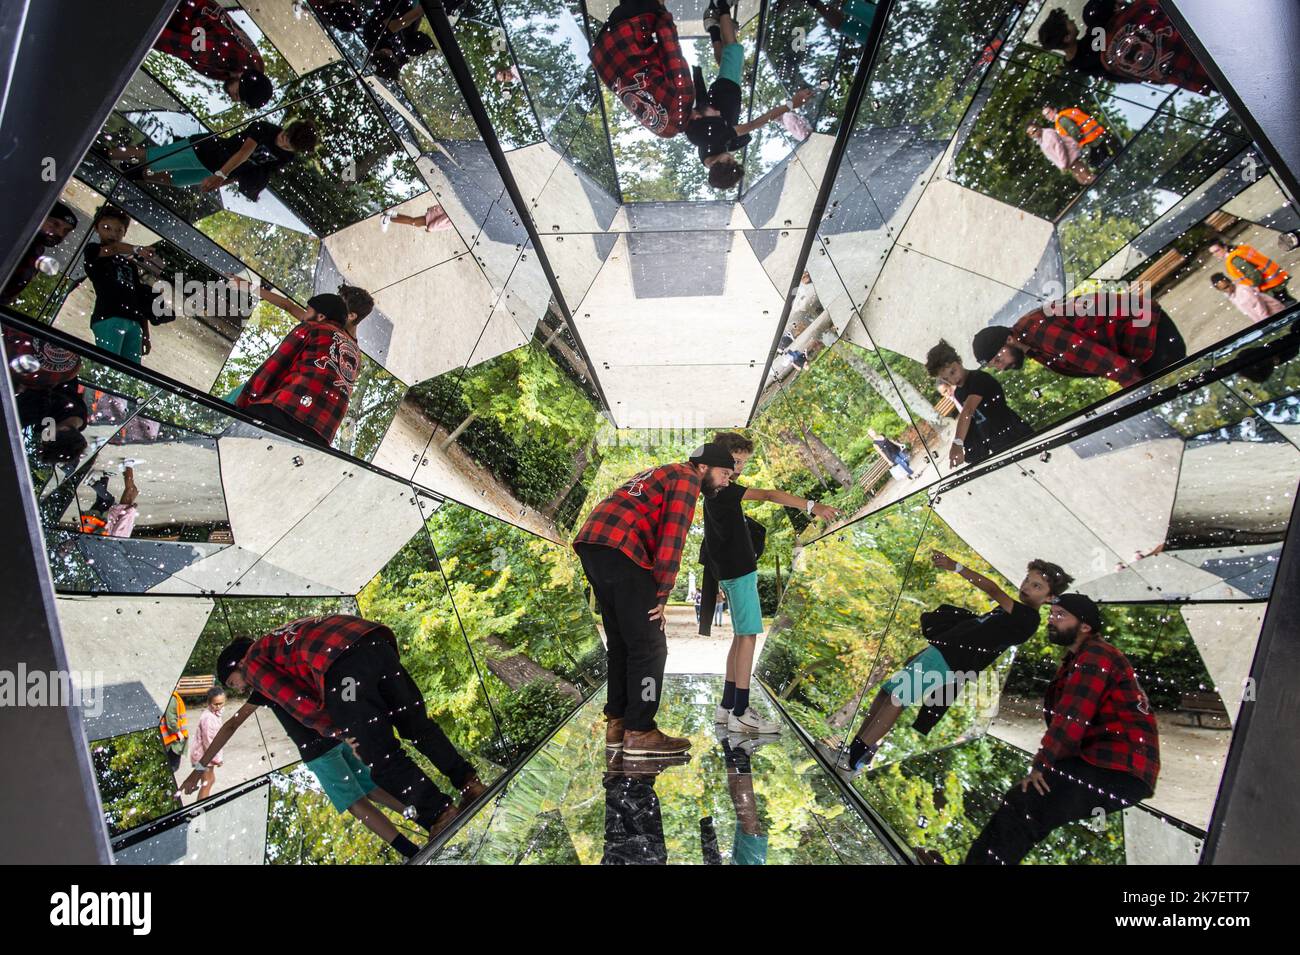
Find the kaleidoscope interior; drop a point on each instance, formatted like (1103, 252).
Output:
(559, 299)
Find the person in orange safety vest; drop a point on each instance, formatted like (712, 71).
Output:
(174, 728)
(1246, 265)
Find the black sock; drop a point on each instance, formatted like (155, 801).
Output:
(742, 701)
(857, 751)
(728, 695)
(404, 845)
(715, 34)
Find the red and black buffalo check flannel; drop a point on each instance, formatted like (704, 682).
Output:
(1093, 336)
(641, 60)
(309, 377)
(647, 519)
(1096, 709)
(287, 666)
(224, 51)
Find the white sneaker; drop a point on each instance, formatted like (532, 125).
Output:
(384, 220)
(751, 722)
(721, 715)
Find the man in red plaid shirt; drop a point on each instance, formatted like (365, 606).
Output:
(304, 387)
(638, 56)
(341, 676)
(1104, 335)
(631, 548)
(1101, 749)
(203, 34)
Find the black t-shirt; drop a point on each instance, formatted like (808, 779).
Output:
(215, 151)
(310, 743)
(976, 642)
(117, 286)
(727, 545)
(717, 134)
(994, 427)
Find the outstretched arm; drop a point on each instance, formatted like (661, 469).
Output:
(786, 499)
(976, 580)
(227, 730)
(775, 112)
(268, 294)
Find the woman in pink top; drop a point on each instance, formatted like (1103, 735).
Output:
(1249, 300)
(1062, 151)
(209, 724)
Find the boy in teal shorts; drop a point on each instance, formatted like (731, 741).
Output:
(961, 646)
(730, 557)
(715, 127)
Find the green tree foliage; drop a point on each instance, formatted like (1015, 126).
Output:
(135, 784)
(303, 828)
(942, 801)
(285, 257)
(519, 416)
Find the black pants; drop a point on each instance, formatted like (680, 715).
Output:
(1282, 294)
(287, 423)
(638, 648)
(1170, 346)
(368, 694)
(634, 825)
(1025, 818)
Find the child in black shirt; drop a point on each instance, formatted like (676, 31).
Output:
(960, 646)
(986, 424)
(120, 319)
(715, 126)
(248, 157)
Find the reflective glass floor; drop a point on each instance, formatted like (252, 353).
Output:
(736, 801)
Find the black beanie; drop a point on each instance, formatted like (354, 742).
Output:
(714, 455)
(330, 307)
(231, 657)
(1083, 608)
(63, 214)
(989, 341)
(255, 89)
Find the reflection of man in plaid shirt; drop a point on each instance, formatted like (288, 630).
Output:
(203, 34)
(342, 677)
(305, 385)
(1101, 752)
(631, 548)
(638, 56)
(1092, 336)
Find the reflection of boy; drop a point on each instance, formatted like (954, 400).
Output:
(119, 320)
(715, 126)
(730, 551)
(961, 645)
(248, 157)
(638, 56)
(986, 425)
(1101, 749)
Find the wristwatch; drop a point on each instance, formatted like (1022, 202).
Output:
(958, 567)
(959, 442)
(221, 175)
(808, 507)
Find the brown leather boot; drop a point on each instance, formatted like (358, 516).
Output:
(471, 791)
(613, 732)
(639, 744)
(443, 820)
